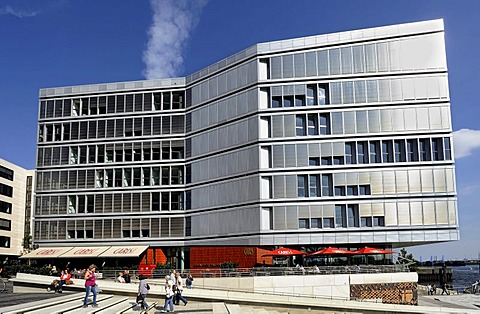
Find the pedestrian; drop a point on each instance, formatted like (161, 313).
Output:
(143, 288)
(120, 278)
(126, 276)
(90, 285)
(169, 298)
(429, 289)
(189, 281)
(179, 291)
(444, 289)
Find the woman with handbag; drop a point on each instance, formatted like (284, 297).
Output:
(90, 286)
(143, 288)
(169, 293)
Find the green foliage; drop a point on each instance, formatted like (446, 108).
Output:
(164, 266)
(12, 270)
(27, 242)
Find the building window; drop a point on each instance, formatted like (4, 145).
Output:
(327, 185)
(326, 161)
(5, 224)
(314, 192)
(362, 154)
(352, 190)
(328, 223)
(350, 153)
(352, 212)
(437, 148)
(6, 190)
(4, 242)
(316, 223)
(300, 125)
(303, 224)
(6, 173)
(366, 221)
(412, 150)
(276, 102)
(379, 221)
(340, 216)
(375, 156)
(387, 151)
(5, 207)
(400, 155)
(312, 124)
(425, 154)
(314, 161)
(364, 190)
(302, 185)
(311, 95)
(448, 150)
(325, 124)
(339, 191)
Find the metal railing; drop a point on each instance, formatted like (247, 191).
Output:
(264, 271)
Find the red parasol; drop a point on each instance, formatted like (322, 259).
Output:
(371, 251)
(283, 251)
(331, 251)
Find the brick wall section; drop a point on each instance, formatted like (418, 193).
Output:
(212, 257)
(391, 293)
(154, 256)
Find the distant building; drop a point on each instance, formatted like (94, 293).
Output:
(16, 188)
(342, 139)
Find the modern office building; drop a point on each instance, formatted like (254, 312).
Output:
(341, 140)
(16, 189)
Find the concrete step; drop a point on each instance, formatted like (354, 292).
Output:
(219, 308)
(73, 305)
(104, 306)
(122, 307)
(31, 306)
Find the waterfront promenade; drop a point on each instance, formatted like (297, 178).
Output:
(204, 300)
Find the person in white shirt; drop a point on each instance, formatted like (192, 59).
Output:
(120, 278)
(179, 291)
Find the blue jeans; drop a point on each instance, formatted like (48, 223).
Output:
(144, 303)
(180, 297)
(169, 303)
(87, 292)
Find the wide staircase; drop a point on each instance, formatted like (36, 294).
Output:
(110, 303)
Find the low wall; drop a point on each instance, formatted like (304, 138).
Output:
(397, 288)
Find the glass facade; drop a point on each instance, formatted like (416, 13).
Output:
(339, 143)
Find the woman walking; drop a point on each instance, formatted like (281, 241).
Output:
(169, 293)
(143, 288)
(90, 286)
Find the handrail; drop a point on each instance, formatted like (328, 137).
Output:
(266, 271)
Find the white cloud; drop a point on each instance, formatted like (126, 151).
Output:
(173, 22)
(17, 12)
(465, 141)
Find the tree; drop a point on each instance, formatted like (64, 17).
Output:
(27, 242)
(407, 259)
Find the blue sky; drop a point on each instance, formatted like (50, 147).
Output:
(55, 43)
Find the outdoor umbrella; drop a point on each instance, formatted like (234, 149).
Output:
(331, 251)
(370, 250)
(283, 251)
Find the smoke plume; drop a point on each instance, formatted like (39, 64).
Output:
(173, 22)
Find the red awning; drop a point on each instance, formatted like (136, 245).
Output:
(332, 251)
(283, 251)
(371, 251)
